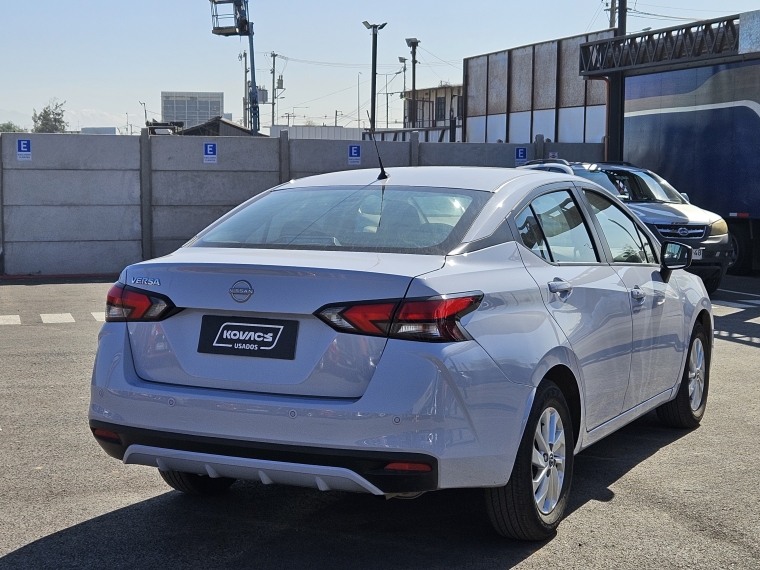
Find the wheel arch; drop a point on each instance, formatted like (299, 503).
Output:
(566, 381)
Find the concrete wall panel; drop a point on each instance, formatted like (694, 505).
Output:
(332, 156)
(576, 152)
(183, 222)
(163, 247)
(497, 83)
(485, 154)
(571, 85)
(72, 187)
(521, 79)
(197, 188)
(70, 257)
(73, 152)
(545, 78)
(477, 83)
(71, 223)
(250, 154)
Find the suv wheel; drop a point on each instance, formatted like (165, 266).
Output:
(531, 504)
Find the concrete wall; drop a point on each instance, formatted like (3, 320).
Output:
(94, 204)
(73, 208)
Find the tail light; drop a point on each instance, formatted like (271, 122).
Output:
(434, 319)
(125, 303)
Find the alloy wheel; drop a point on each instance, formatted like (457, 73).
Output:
(696, 374)
(548, 463)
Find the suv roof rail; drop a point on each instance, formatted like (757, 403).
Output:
(548, 161)
(617, 162)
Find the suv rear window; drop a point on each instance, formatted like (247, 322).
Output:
(349, 218)
(639, 186)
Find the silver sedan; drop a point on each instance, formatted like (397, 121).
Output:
(440, 328)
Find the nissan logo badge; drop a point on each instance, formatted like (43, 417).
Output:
(241, 291)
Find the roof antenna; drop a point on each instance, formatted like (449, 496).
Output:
(382, 175)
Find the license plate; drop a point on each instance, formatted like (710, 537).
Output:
(242, 336)
(697, 254)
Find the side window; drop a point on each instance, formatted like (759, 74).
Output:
(621, 232)
(531, 234)
(648, 247)
(563, 227)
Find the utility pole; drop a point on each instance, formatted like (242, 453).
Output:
(336, 116)
(622, 17)
(144, 111)
(274, 92)
(375, 28)
(613, 13)
(413, 43)
(244, 58)
(403, 60)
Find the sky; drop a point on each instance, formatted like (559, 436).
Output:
(103, 58)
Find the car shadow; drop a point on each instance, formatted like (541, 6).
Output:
(255, 526)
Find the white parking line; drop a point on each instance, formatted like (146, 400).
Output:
(99, 316)
(723, 303)
(721, 311)
(10, 320)
(50, 318)
(739, 292)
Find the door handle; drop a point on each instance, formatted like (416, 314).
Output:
(637, 293)
(560, 287)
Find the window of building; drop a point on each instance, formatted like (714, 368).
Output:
(440, 108)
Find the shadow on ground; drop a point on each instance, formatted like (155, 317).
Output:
(254, 526)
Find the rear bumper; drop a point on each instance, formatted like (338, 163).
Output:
(324, 469)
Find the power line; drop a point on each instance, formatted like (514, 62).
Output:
(596, 15)
(665, 17)
(687, 9)
(442, 60)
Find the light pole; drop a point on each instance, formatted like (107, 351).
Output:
(413, 43)
(358, 102)
(375, 28)
(144, 111)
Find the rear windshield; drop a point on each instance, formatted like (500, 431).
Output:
(637, 186)
(350, 218)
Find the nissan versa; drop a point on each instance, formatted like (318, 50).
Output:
(440, 328)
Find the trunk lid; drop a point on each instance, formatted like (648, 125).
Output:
(267, 341)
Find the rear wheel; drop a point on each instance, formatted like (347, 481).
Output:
(193, 484)
(531, 504)
(740, 259)
(688, 407)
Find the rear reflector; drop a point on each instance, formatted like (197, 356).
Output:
(106, 435)
(434, 319)
(125, 303)
(407, 467)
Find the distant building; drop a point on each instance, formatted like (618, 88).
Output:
(192, 108)
(217, 127)
(436, 106)
(325, 132)
(99, 131)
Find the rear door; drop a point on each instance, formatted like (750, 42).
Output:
(583, 293)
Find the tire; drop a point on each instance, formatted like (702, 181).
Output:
(740, 261)
(712, 284)
(192, 484)
(513, 509)
(688, 407)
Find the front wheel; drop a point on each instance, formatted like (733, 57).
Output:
(531, 504)
(688, 407)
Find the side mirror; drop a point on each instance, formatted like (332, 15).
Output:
(686, 197)
(673, 256)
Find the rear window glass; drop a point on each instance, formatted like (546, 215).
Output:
(350, 218)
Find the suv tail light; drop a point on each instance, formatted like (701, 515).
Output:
(435, 319)
(125, 303)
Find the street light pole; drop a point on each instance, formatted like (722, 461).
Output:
(374, 28)
(413, 43)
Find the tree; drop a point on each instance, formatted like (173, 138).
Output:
(50, 119)
(11, 127)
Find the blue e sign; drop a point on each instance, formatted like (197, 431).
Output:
(521, 155)
(354, 154)
(209, 153)
(24, 149)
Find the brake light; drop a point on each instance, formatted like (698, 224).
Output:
(418, 467)
(434, 319)
(129, 304)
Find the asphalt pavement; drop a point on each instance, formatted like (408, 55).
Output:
(645, 497)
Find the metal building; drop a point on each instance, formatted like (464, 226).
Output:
(515, 94)
(192, 108)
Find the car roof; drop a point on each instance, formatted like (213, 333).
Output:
(627, 167)
(489, 179)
